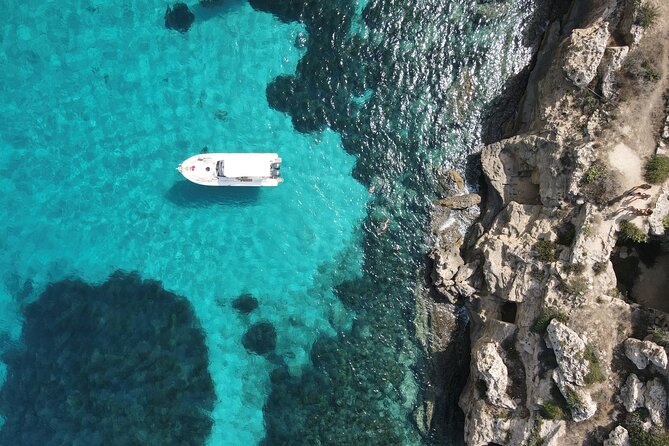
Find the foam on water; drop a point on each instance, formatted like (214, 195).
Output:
(100, 103)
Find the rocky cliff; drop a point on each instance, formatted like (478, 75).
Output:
(558, 354)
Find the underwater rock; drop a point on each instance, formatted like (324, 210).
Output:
(179, 17)
(245, 303)
(121, 363)
(211, 3)
(260, 338)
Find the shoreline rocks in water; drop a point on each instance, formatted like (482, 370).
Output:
(548, 326)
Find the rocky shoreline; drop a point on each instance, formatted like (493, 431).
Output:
(560, 352)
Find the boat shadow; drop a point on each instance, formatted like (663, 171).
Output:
(187, 194)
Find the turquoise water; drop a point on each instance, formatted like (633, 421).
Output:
(100, 103)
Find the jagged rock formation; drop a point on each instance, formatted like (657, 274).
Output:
(493, 372)
(535, 273)
(632, 393)
(641, 353)
(618, 437)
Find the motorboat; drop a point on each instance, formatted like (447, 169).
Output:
(233, 169)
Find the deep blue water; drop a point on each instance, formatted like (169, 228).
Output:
(100, 103)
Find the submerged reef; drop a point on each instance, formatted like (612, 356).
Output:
(245, 303)
(122, 363)
(260, 338)
(179, 17)
(398, 92)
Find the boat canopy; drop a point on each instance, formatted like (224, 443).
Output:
(247, 165)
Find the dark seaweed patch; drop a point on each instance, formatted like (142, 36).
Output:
(120, 363)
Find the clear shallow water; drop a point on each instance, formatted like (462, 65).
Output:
(100, 103)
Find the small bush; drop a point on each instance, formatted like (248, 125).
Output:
(632, 233)
(577, 286)
(550, 410)
(600, 183)
(665, 222)
(634, 424)
(659, 336)
(575, 268)
(657, 169)
(574, 400)
(599, 267)
(595, 375)
(547, 315)
(647, 15)
(546, 251)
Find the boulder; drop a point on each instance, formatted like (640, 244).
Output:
(585, 52)
(493, 371)
(460, 202)
(655, 400)
(632, 393)
(611, 62)
(618, 437)
(569, 349)
(643, 352)
(581, 405)
(179, 17)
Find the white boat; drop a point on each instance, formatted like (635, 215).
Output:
(233, 169)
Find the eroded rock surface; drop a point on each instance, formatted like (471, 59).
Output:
(494, 373)
(641, 353)
(585, 52)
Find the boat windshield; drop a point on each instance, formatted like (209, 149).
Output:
(219, 168)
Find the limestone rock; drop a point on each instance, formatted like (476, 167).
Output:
(661, 210)
(611, 62)
(632, 393)
(585, 52)
(643, 352)
(460, 201)
(569, 349)
(493, 371)
(581, 405)
(655, 400)
(618, 437)
(485, 428)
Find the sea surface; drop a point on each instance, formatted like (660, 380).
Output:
(364, 101)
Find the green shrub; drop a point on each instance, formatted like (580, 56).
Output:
(647, 15)
(600, 183)
(665, 222)
(577, 286)
(595, 375)
(657, 169)
(575, 268)
(550, 410)
(574, 400)
(634, 424)
(659, 336)
(599, 267)
(547, 315)
(546, 251)
(632, 233)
